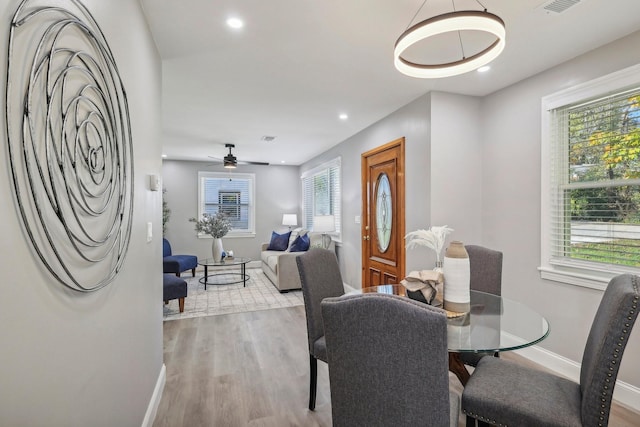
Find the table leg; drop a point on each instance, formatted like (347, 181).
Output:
(457, 367)
(243, 271)
(205, 277)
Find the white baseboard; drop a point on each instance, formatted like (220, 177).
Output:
(152, 409)
(623, 393)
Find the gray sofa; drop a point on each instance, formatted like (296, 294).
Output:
(280, 266)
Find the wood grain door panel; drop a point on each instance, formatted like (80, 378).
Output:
(383, 263)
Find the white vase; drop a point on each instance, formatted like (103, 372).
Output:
(216, 249)
(457, 277)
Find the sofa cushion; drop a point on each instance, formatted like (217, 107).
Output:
(316, 240)
(264, 255)
(270, 258)
(179, 263)
(279, 242)
(301, 244)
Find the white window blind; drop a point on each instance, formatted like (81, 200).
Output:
(595, 182)
(321, 194)
(233, 195)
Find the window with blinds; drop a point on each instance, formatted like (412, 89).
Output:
(595, 181)
(321, 194)
(233, 195)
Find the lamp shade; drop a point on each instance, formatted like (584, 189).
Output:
(289, 219)
(324, 223)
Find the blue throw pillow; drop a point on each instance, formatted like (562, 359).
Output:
(279, 242)
(301, 244)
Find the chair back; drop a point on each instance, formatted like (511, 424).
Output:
(485, 267)
(388, 361)
(320, 278)
(166, 248)
(605, 345)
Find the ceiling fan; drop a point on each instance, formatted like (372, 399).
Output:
(231, 162)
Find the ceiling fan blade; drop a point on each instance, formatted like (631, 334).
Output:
(216, 161)
(244, 162)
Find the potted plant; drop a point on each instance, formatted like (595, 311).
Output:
(166, 212)
(217, 226)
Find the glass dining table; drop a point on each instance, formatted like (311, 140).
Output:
(493, 324)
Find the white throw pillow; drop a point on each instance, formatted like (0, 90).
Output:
(316, 240)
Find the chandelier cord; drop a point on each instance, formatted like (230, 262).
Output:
(416, 14)
(453, 5)
(481, 5)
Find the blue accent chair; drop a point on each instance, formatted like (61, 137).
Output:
(177, 263)
(174, 288)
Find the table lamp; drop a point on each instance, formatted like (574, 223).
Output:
(324, 224)
(289, 220)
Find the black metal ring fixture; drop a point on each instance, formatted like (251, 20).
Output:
(69, 141)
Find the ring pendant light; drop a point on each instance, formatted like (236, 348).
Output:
(454, 21)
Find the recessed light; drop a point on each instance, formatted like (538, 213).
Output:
(343, 116)
(484, 69)
(164, 156)
(282, 161)
(235, 23)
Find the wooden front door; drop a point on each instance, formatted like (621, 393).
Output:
(383, 250)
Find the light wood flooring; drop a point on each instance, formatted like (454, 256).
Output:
(251, 369)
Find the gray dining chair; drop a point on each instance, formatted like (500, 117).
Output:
(388, 362)
(320, 278)
(485, 268)
(504, 393)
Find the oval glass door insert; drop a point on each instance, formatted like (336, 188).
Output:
(383, 212)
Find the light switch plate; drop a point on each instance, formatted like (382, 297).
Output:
(154, 182)
(149, 232)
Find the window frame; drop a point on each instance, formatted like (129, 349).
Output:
(250, 231)
(336, 198)
(575, 272)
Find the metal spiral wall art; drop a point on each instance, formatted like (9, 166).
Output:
(69, 141)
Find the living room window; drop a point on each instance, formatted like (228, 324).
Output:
(591, 181)
(230, 202)
(231, 194)
(321, 195)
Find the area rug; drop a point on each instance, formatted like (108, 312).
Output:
(259, 294)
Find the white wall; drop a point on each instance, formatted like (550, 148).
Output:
(456, 166)
(443, 175)
(71, 359)
(511, 199)
(278, 191)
